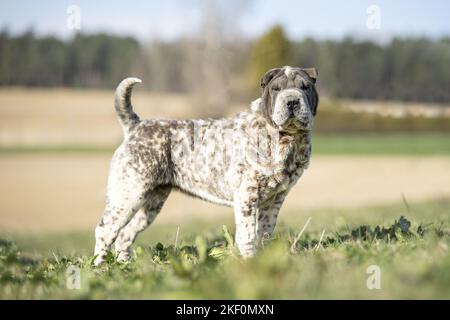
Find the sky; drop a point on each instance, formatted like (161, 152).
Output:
(171, 19)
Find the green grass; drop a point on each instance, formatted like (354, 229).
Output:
(326, 144)
(203, 264)
(376, 144)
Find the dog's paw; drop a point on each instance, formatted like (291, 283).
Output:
(247, 251)
(99, 260)
(123, 256)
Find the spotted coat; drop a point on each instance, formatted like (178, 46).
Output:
(248, 162)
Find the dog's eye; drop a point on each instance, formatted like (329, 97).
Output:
(275, 88)
(305, 86)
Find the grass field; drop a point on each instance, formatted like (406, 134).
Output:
(201, 262)
(324, 144)
(379, 144)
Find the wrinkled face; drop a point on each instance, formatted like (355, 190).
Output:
(290, 98)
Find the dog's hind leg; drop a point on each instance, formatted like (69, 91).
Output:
(115, 217)
(126, 194)
(143, 218)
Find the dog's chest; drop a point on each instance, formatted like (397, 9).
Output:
(292, 159)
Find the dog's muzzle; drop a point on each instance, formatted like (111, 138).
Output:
(292, 110)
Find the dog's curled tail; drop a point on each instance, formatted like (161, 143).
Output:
(127, 118)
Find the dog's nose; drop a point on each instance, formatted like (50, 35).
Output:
(293, 103)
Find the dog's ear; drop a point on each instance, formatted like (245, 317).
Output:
(315, 101)
(312, 73)
(269, 76)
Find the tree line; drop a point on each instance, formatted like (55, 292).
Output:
(412, 69)
(84, 61)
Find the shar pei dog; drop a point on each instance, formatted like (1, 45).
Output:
(248, 162)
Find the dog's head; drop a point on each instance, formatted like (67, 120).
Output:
(289, 99)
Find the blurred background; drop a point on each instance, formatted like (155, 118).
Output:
(381, 137)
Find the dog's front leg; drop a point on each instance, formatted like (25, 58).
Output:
(267, 217)
(245, 214)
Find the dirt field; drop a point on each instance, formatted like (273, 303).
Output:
(51, 191)
(71, 116)
(60, 192)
